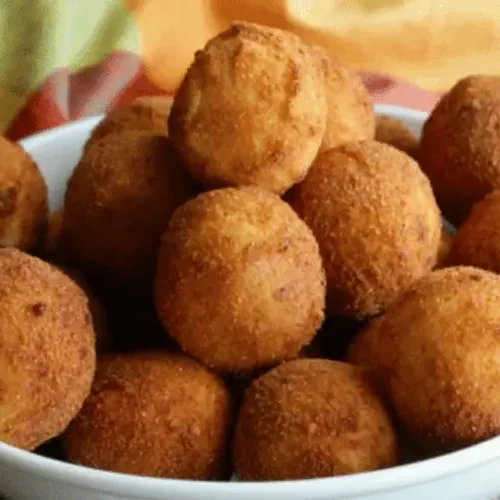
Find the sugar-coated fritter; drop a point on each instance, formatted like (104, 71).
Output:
(377, 223)
(350, 113)
(118, 202)
(312, 418)
(251, 110)
(23, 199)
(460, 145)
(153, 414)
(392, 131)
(47, 350)
(148, 114)
(477, 242)
(239, 281)
(435, 355)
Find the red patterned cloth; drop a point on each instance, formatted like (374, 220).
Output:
(120, 78)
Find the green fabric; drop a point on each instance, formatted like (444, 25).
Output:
(41, 36)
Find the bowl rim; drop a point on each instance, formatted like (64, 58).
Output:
(393, 478)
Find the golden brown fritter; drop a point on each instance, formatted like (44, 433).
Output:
(52, 250)
(460, 145)
(47, 350)
(23, 199)
(312, 418)
(435, 354)
(350, 114)
(239, 282)
(147, 114)
(250, 110)
(118, 202)
(394, 132)
(376, 221)
(153, 414)
(477, 242)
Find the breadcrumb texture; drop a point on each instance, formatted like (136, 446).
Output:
(436, 355)
(250, 110)
(153, 414)
(460, 145)
(47, 350)
(147, 113)
(350, 113)
(312, 418)
(23, 199)
(377, 223)
(477, 242)
(117, 204)
(240, 283)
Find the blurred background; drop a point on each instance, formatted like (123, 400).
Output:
(61, 59)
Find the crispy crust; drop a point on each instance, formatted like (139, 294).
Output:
(395, 133)
(250, 111)
(23, 199)
(240, 282)
(312, 418)
(48, 350)
(477, 242)
(118, 202)
(350, 113)
(153, 414)
(436, 355)
(147, 114)
(376, 221)
(463, 161)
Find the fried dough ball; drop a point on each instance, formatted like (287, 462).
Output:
(312, 418)
(239, 282)
(23, 199)
(350, 114)
(153, 414)
(118, 202)
(460, 145)
(47, 350)
(250, 111)
(436, 356)
(477, 242)
(374, 215)
(147, 114)
(394, 132)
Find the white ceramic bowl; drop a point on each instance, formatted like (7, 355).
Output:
(472, 473)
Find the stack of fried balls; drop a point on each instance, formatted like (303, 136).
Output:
(253, 279)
